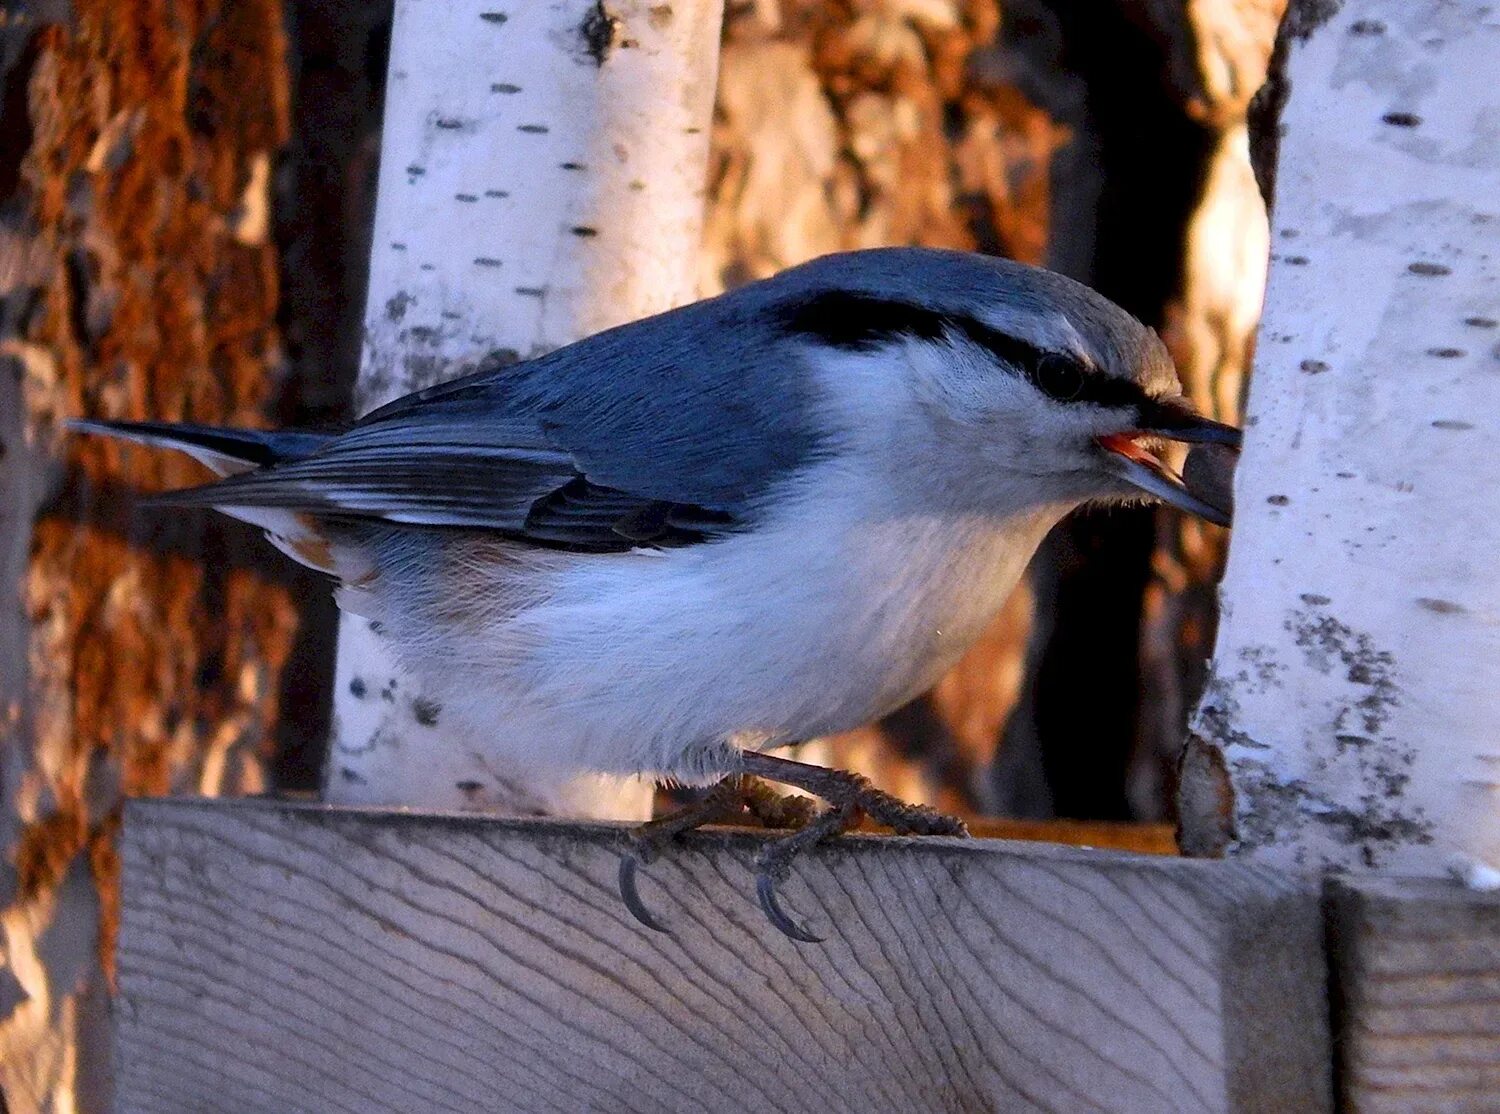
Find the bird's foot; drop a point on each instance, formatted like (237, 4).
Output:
(848, 795)
(731, 799)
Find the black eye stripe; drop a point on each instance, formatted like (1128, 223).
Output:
(862, 322)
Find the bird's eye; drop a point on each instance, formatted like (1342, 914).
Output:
(1058, 377)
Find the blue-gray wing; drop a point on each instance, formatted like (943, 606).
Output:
(664, 432)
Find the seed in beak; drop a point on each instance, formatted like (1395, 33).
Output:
(1138, 465)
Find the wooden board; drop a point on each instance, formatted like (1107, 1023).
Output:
(1417, 964)
(1103, 835)
(278, 957)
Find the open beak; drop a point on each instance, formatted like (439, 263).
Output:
(1133, 459)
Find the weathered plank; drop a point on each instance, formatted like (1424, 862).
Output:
(1103, 835)
(1417, 966)
(278, 957)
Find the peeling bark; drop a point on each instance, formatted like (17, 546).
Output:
(141, 653)
(1220, 56)
(1211, 333)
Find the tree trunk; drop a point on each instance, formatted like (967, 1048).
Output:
(541, 179)
(1350, 720)
(140, 652)
(1219, 57)
(840, 129)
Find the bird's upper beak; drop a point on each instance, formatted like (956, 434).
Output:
(1132, 459)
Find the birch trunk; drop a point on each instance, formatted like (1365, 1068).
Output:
(542, 178)
(1351, 720)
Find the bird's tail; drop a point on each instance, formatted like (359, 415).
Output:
(226, 451)
(231, 451)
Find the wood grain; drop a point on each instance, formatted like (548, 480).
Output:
(1103, 835)
(1418, 968)
(279, 957)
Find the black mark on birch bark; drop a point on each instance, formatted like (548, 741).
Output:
(1442, 607)
(598, 31)
(396, 305)
(1328, 645)
(1303, 17)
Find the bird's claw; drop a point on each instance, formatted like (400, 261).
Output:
(773, 864)
(630, 862)
(770, 905)
(647, 841)
(848, 795)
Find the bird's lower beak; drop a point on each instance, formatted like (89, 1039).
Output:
(1133, 459)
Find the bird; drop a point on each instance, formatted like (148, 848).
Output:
(677, 546)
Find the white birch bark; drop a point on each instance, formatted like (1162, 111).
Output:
(1354, 691)
(542, 178)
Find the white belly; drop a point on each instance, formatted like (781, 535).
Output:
(659, 662)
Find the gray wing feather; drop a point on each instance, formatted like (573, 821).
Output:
(661, 432)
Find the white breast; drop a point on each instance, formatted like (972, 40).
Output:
(653, 662)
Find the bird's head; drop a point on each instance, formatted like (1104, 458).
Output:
(1028, 386)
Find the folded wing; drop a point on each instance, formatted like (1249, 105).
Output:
(628, 438)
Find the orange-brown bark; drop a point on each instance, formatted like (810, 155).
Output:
(137, 194)
(852, 125)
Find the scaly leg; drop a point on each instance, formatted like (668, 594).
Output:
(727, 800)
(848, 795)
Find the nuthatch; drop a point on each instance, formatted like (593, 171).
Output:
(776, 514)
